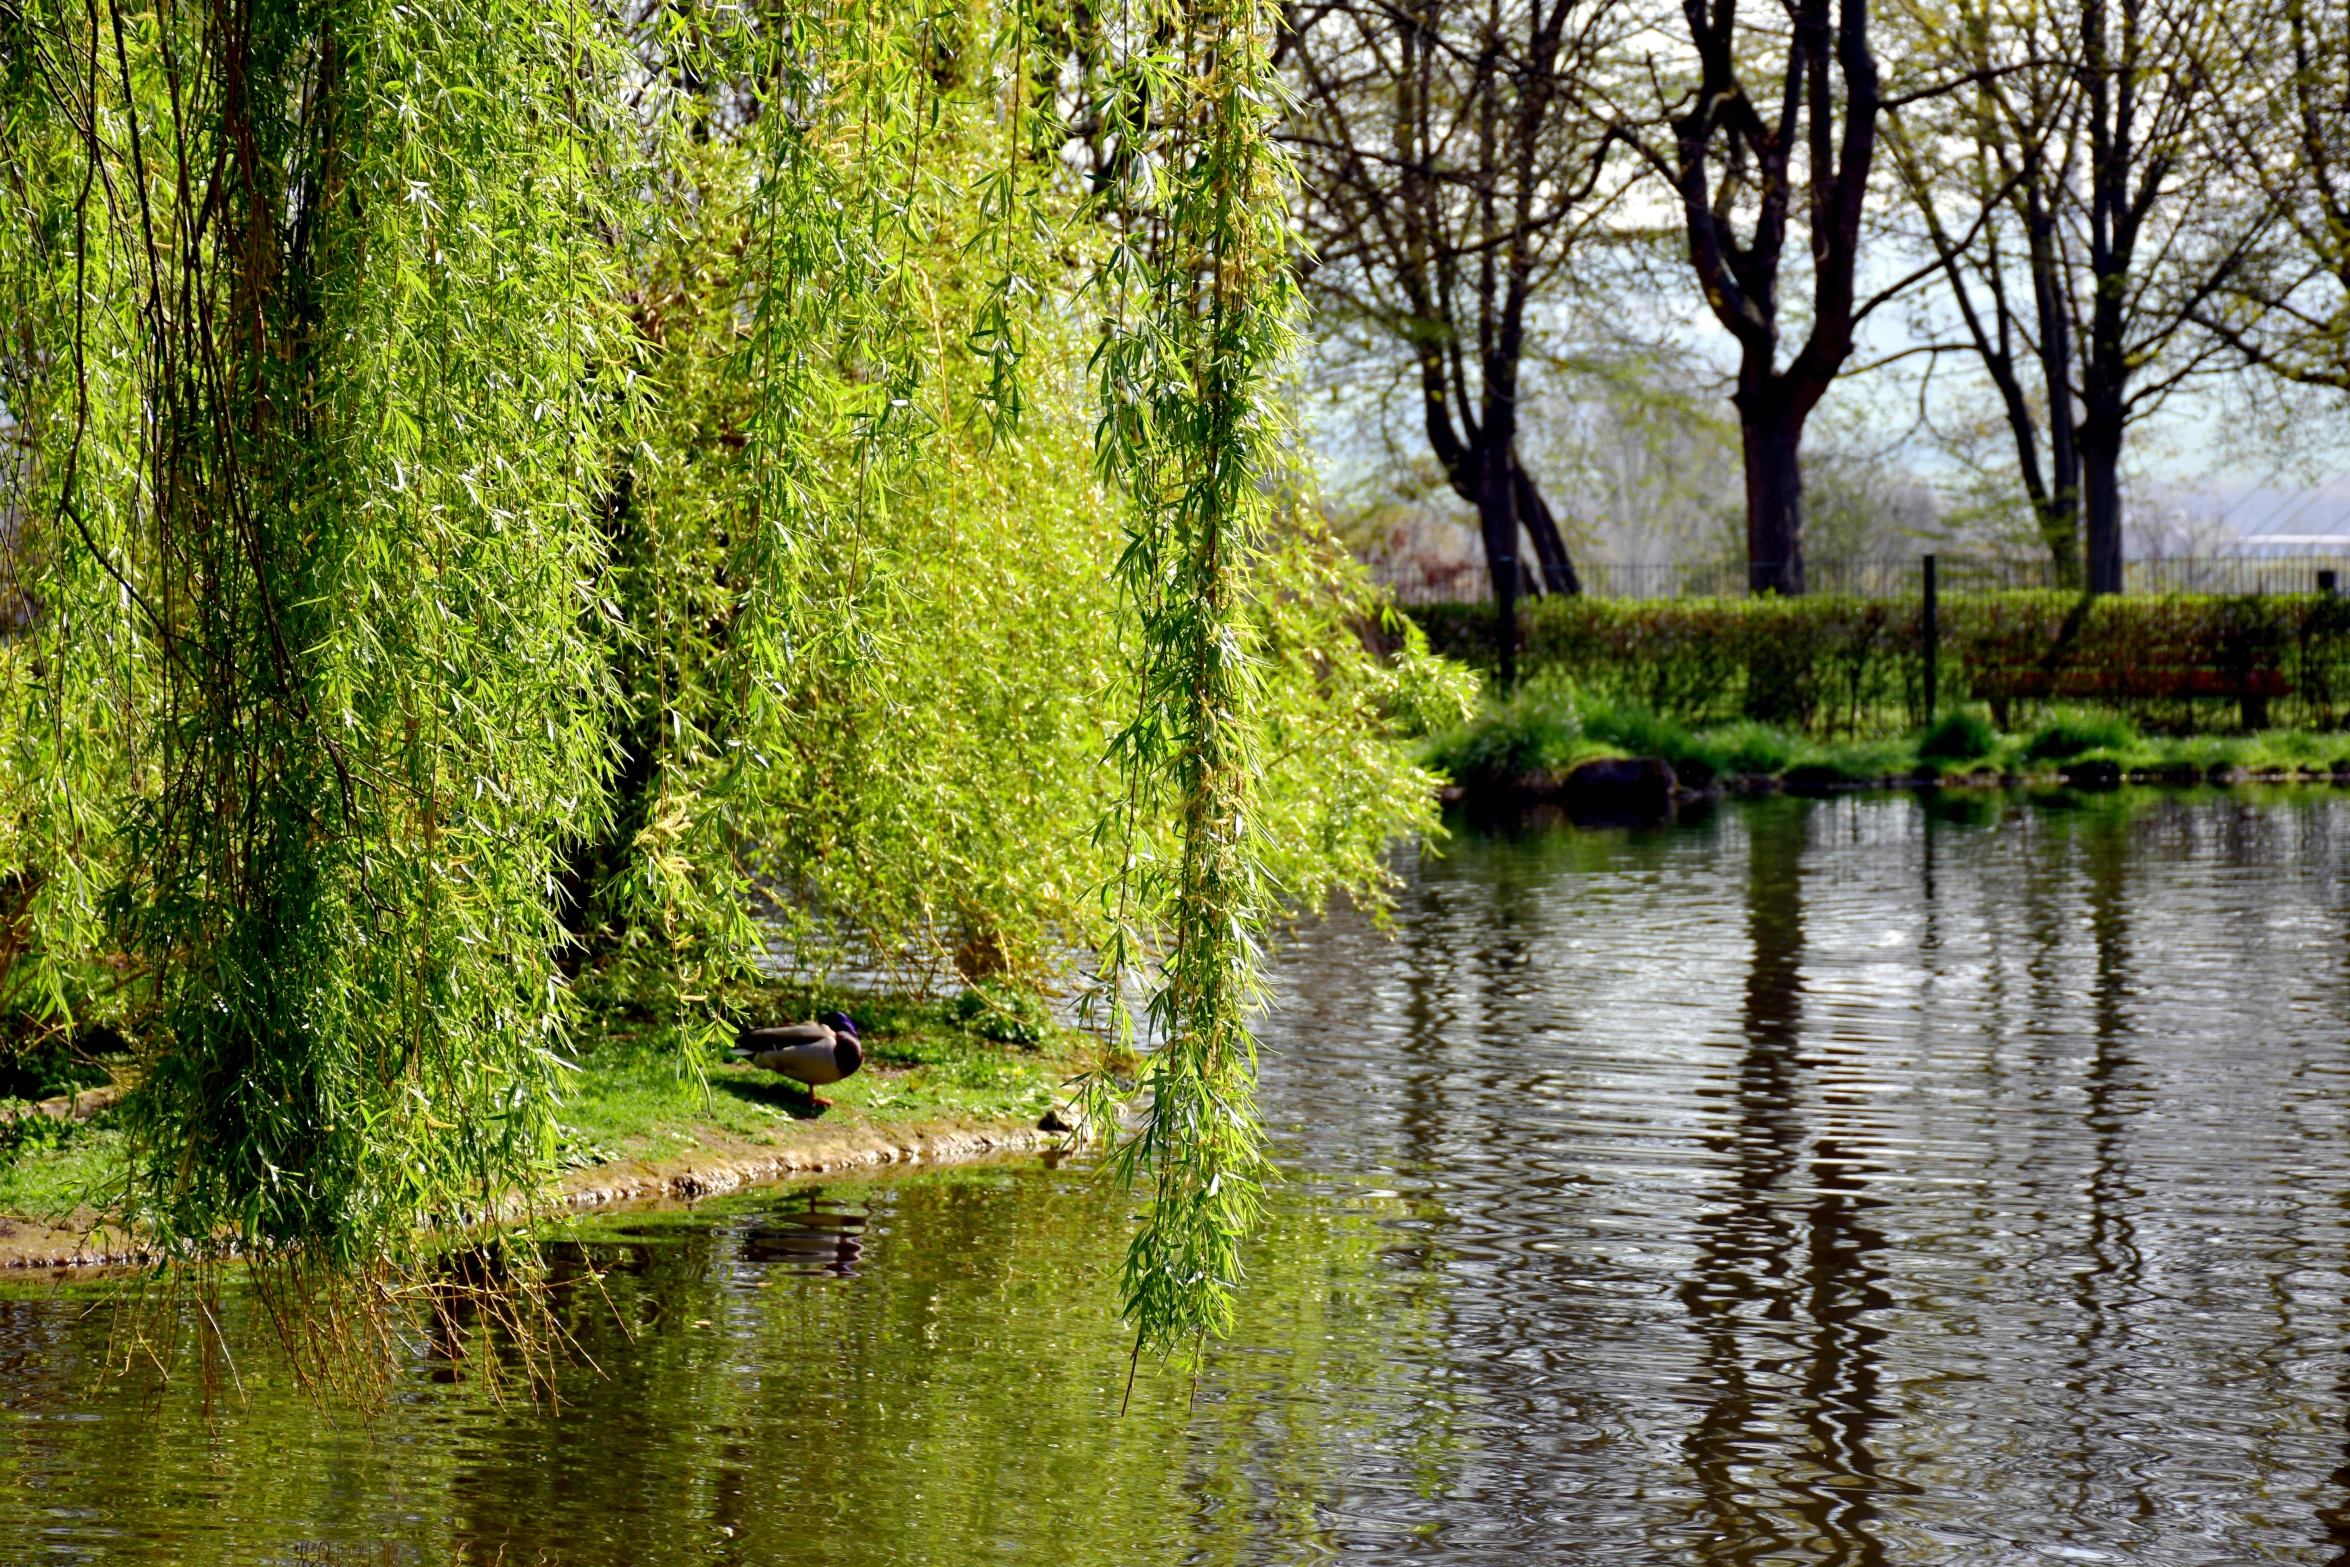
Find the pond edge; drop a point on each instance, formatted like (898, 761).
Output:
(719, 1164)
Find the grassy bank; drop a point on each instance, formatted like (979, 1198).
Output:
(970, 1061)
(926, 1062)
(1549, 727)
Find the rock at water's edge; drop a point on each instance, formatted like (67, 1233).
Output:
(1695, 775)
(1813, 778)
(1621, 786)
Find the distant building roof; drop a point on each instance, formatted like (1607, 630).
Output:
(2267, 516)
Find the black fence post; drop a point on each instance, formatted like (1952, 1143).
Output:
(1931, 634)
(1505, 628)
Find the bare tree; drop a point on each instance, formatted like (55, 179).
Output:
(2075, 204)
(1745, 174)
(2288, 309)
(1993, 232)
(1449, 172)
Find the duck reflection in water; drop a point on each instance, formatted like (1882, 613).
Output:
(810, 1240)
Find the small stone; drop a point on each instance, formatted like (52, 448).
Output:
(2092, 774)
(1813, 779)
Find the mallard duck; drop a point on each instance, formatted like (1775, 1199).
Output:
(811, 1054)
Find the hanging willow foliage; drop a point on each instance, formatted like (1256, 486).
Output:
(1199, 301)
(311, 402)
(508, 502)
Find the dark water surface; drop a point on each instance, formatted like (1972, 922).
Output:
(1854, 1181)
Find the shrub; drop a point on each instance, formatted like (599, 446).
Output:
(1005, 1013)
(1961, 736)
(1751, 748)
(2072, 733)
(1534, 729)
(28, 1136)
(1506, 743)
(1637, 731)
(1833, 666)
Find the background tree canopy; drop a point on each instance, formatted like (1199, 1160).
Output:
(2043, 245)
(509, 503)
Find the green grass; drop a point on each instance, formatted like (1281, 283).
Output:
(50, 1168)
(925, 1061)
(1634, 731)
(1962, 736)
(2076, 737)
(1749, 749)
(1536, 730)
(2079, 732)
(997, 1058)
(1546, 729)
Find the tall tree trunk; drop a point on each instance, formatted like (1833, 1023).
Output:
(1497, 517)
(2060, 506)
(2114, 217)
(1727, 152)
(2104, 416)
(2101, 499)
(1771, 433)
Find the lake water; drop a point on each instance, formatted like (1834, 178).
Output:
(1866, 1180)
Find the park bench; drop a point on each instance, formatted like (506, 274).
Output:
(2251, 689)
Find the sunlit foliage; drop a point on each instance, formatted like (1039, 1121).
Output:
(309, 444)
(509, 503)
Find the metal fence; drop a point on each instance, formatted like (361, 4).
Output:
(1883, 577)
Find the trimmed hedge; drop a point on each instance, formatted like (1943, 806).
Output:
(1830, 664)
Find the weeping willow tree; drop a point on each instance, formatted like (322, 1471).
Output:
(504, 501)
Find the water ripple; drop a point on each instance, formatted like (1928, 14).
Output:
(1902, 1183)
